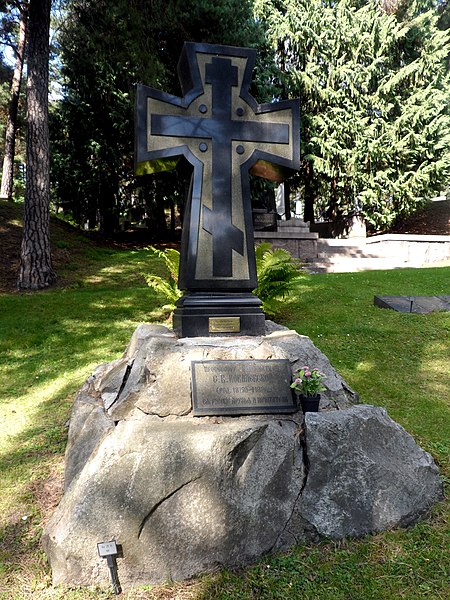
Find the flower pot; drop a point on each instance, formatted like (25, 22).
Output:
(310, 403)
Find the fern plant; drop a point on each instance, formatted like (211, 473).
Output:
(168, 287)
(277, 272)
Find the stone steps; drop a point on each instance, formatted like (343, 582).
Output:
(379, 253)
(349, 264)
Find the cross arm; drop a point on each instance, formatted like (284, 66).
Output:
(274, 163)
(148, 159)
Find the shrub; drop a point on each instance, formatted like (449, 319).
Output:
(277, 273)
(168, 287)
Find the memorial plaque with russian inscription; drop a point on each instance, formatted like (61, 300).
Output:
(242, 387)
(224, 324)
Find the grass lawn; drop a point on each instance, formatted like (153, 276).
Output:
(50, 342)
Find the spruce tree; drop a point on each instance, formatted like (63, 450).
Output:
(374, 89)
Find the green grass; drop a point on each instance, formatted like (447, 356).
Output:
(50, 342)
(397, 360)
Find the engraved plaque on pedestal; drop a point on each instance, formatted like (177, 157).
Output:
(224, 324)
(242, 387)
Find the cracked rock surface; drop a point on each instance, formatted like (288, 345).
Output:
(184, 495)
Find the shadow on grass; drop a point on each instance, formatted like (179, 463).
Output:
(394, 360)
(399, 361)
(78, 259)
(27, 498)
(63, 330)
(15, 548)
(397, 564)
(51, 342)
(96, 267)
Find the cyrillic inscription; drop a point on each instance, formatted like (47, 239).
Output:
(242, 387)
(224, 324)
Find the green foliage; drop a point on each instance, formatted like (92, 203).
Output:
(9, 19)
(308, 382)
(167, 286)
(4, 101)
(106, 47)
(278, 275)
(374, 89)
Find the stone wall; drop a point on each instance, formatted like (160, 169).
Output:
(302, 246)
(417, 250)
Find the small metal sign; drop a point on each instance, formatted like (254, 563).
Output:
(242, 387)
(224, 324)
(107, 549)
(110, 550)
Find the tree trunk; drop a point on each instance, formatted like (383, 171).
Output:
(160, 215)
(172, 216)
(11, 124)
(35, 271)
(108, 220)
(308, 213)
(287, 200)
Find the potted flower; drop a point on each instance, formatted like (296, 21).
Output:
(308, 383)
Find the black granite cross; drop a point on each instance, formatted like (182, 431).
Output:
(221, 130)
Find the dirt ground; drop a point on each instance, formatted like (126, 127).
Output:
(10, 241)
(10, 238)
(433, 220)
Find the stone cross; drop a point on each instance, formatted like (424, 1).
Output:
(221, 130)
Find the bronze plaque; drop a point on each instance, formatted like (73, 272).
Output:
(242, 387)
(224, 324)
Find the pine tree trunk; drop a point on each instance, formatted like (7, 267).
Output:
(35, 271)
(172, 216)
(106, 203)
(161, 225)
(11, 125)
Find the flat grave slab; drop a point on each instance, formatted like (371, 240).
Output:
(413, 304)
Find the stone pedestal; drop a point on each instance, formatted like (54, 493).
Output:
(185, 495)
(294, 236)
(218, 314)
(357, 228)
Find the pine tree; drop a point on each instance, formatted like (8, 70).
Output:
(35, 271)
(13, 109)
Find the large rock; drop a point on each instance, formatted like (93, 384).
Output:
(183, 494)
(366, 473)
(180, 497)
(153, 377)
